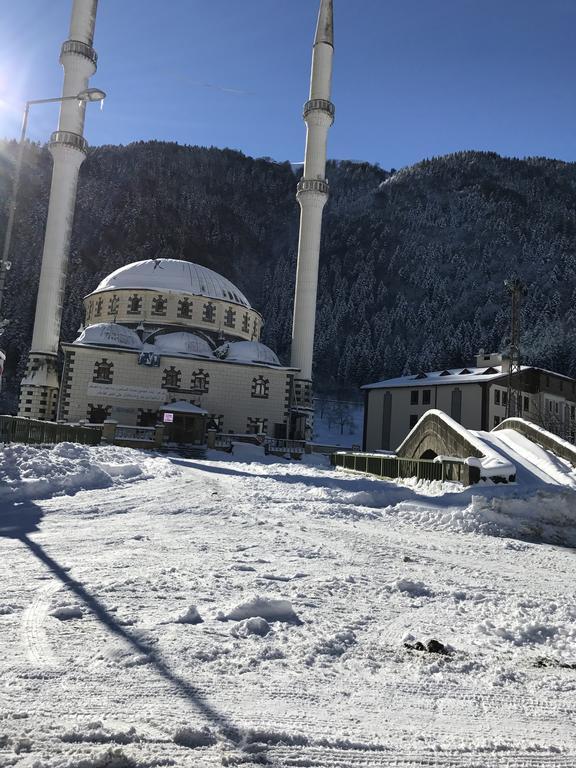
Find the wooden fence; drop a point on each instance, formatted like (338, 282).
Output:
(14, 429)
(392, 467)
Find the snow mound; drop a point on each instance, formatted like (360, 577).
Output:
(190, 617)
(38, 472)
(271, 609)
(194, 738)
(67, 612)
(412, 588)
(254, 626)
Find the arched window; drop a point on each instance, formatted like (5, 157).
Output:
(134, 304)
(260, 387)
(99, 304)
(89, 312)
(246, 322)
(209, 313)
(113, 305)
(159, 304)
(171, 378)
(230, 318)
(200, 381)
(185, 309)
(103, 372)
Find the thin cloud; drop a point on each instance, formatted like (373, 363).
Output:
(222, 88)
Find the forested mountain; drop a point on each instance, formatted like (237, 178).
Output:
(413, 262)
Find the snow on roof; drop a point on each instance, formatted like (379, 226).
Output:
(180, 343)
(247, 352)
(109, 335)
(173, 275)
(461, 375)
(181, 406)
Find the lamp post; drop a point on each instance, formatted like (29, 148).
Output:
(88, 94)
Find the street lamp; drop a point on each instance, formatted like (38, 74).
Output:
(86, 95)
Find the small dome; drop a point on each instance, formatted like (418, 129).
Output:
(172, 275)
(247, 352)
(182, 343)
(109, 335)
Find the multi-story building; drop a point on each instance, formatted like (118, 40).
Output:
(475, 396)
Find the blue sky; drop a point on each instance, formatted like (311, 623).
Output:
(413, 78)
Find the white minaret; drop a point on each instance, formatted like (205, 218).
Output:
(39, 388)
(312, 195)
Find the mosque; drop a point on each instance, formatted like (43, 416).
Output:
(168, 334)
(167, 331)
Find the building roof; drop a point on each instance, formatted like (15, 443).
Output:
(180, 344)
(181, 406)
(173, 276)
(109, 335)
(465, 375)
(247, 352)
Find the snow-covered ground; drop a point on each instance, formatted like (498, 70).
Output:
(158, 611)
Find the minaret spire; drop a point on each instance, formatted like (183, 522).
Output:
(312, 195)
(68, 147)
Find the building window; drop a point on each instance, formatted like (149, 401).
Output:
(414, 397)
(550, 405)
(209, 313)
(260, 387)
(99, 304)
(572, 411)
(89, 312)
(257, 426)
(496, 397)
(103, 372)
(245, 322)
(159, 304)
(185, 309)
(171, 378)
(254, 329)
(426, 394)
(556, 406)
(113, 305)
(216, 422)
(230, 318)
(134, 305)
(504, 399)
(497, 420)
(200, 381)
(413, 420)
(97, 414)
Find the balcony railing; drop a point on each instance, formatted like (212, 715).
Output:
(82, 49)
(71, 139)
(313, 185)
(319, 104)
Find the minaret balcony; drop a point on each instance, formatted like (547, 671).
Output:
(313, 185)
(79, 48)
(319, 105)
(70, 139)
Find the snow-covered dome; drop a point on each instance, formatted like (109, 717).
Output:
(172, 275)
(109, 335)
(182, 343)
(247, 352)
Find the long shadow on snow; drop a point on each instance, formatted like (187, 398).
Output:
(17, 521)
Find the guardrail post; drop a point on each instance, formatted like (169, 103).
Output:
(109, 430)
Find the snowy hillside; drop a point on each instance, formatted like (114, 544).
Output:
(162, 611)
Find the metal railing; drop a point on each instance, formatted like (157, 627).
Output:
(313, 185)
(15, 429)
(320, 104)
(281, 446)
(139, 434)
(393, 467)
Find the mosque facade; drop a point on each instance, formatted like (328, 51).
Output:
(165, 331)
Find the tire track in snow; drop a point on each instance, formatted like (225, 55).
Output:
(36, 646)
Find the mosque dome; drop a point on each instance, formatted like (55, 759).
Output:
(109, 335)
(182, 343)
(247, 352)
(173, 275)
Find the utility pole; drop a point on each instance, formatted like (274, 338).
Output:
(517, 290)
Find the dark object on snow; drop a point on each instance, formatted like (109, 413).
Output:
(432, 646)
(542, 661)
